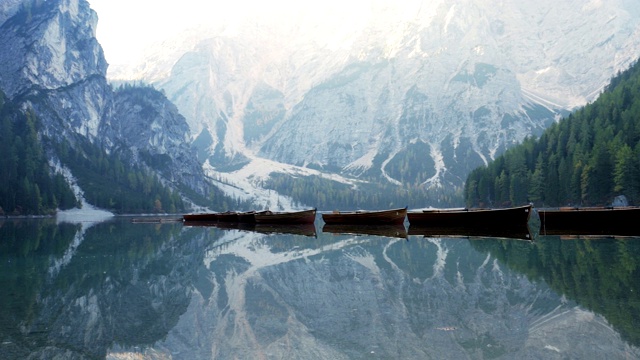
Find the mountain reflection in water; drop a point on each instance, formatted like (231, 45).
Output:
(121, 290)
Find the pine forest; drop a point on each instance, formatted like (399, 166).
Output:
(586, 159)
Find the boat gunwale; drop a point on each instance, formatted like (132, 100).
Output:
(469, 210)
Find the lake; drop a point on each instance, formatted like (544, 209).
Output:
(123, 290)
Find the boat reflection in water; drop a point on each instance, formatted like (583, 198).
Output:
(591, 231)
(389, 230)
(385, 230)
(516, 233)
(294, 229)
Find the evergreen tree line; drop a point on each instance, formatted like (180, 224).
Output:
(28, 185)
(112, 183)
(586, 159)
(410, 166)
(327, 194)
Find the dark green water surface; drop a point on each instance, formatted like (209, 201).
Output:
(123, 290)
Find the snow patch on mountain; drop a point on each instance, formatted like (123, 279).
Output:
(86, 214)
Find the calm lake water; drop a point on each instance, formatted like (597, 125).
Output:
(122, 290)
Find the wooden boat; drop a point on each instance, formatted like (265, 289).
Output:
(200, 217)
(386, 230)
(247, 217)
(378, 217)
(590, 221)
(476, 218)
(228, 217)
(294, 217)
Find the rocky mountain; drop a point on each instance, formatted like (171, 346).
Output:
(53, 63)
(52, 60)
(452, 83)
(409, 96)
(147, 123)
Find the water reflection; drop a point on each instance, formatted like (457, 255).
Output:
(169, 291)
(297, 229)
(523, 233)
(393, 230)
(600, 273)
(121, 284)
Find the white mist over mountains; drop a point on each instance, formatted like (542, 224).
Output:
(531, 33)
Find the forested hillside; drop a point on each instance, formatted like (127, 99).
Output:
(111, 182)
(27, 185)
(328, 195)
(585, 159)
(31, 187)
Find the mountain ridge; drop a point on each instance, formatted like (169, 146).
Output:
(404, 110)
(470, 78)
(57, 68)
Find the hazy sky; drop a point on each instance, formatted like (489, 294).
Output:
(126, 26)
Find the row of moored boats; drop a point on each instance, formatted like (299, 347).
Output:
(596, 220)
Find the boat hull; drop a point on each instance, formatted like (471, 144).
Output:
(296, 217)
(247, 217)
(207, 217)
(393, 216)
(228, 217)
(514, 217)
(590, 221)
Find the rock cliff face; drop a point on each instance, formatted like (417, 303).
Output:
(9, 8)
(53, 63)
(147, 123)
